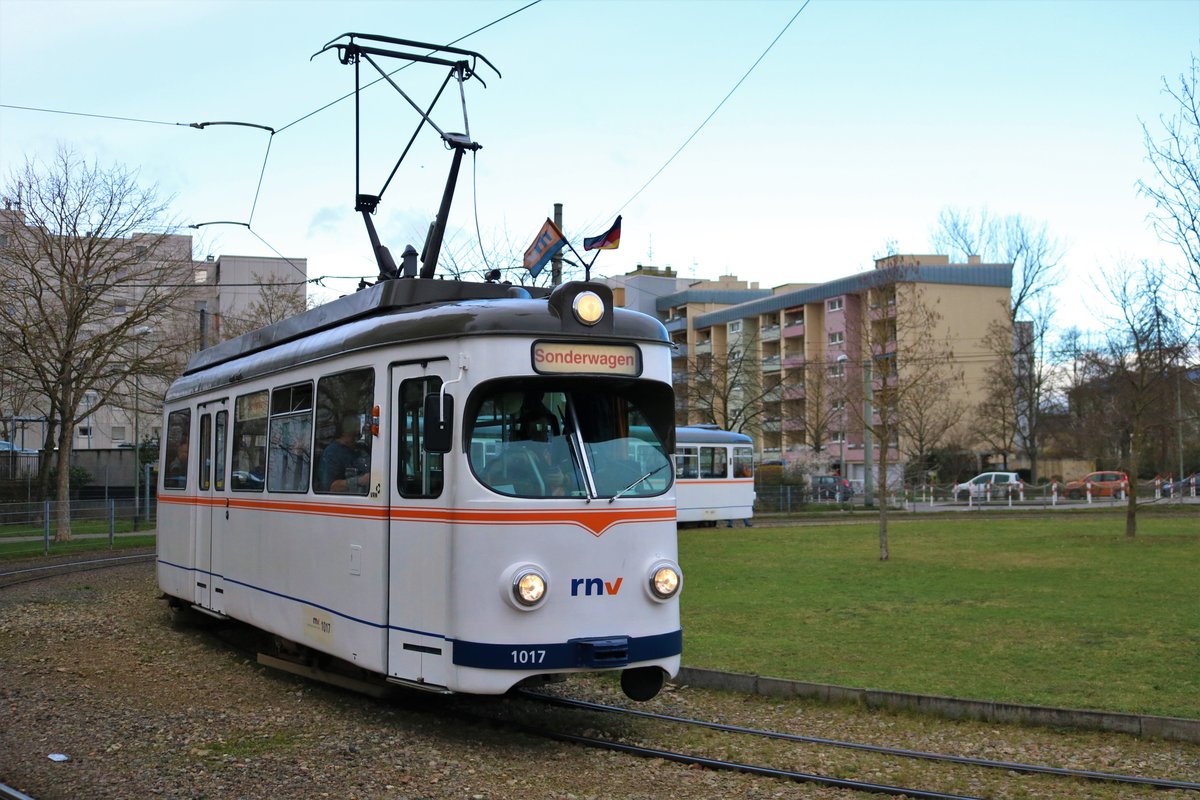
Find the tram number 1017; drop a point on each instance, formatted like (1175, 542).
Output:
(528, 656)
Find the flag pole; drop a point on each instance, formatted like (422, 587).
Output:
(587, 269)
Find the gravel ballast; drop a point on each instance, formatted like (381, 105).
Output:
(94, 667)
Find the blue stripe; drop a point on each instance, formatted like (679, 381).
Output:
(562, 655)
(494, 656)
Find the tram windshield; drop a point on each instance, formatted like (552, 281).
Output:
(591, 438)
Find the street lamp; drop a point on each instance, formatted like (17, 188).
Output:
(138, 333)
(845, 472)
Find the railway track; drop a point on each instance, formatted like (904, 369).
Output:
(578, 727)
(1007, 766)
(13, 577)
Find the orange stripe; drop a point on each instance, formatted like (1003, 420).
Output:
(596, 521)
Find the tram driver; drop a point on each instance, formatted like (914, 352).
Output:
(343, 468)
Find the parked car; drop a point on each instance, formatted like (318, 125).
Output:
(9, 447)
(832, 487)
(998, 483)
(1104, 484)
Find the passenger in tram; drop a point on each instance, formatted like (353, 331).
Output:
(177, 468)
(341, 468)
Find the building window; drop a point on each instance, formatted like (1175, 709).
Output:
(837, 337)
(118, 433)
(837, 370)
(201, 276)
(835, 304)
(735, 326)
(85, 431)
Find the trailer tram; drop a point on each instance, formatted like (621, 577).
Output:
(455, 486)
(714, 475)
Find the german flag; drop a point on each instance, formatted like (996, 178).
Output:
(609, 240)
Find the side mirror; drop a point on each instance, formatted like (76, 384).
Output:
(439, 423)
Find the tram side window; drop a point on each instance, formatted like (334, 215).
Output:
(342, 453)
(687, 463)
(205, 452)
(175, 454)
(290, 440)
(249, 443)
(219, 455)
(743, 462)
(418, 474)
(713, 462)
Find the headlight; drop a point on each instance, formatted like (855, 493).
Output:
(529, 587)
(588, 308)
(664, 581)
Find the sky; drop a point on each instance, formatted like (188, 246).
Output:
(856, 129)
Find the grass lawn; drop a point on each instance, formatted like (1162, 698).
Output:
(1059, 610)
(14, 550)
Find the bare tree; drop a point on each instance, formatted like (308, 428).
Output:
(902, 350)
(89, 259)
(1175, 188)
(1024, 243)
(727, 389)
(277, 300)
(1136, 367)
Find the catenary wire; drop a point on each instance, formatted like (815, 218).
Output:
(712, 114)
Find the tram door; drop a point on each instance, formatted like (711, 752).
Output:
(211, 504)
(418, 532)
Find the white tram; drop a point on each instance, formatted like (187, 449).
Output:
(436, 482)
(714, 475)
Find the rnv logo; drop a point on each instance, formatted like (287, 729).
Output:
(595, 586)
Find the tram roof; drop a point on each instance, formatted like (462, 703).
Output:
(406, 311)
(689, 434)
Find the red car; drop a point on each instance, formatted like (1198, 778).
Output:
(1104, 484)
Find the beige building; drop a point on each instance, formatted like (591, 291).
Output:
(226, 288)
(792, 347)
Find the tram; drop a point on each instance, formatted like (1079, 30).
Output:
(451, 485)
(714, 475)
(455, 486)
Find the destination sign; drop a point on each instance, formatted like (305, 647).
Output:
(593, 359)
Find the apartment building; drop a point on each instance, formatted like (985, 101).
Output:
(226, 288)
(791, 346)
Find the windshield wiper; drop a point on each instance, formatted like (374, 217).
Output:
(639, 480)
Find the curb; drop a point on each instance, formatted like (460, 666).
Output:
(1174, 728)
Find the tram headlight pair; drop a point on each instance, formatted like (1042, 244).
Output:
(665, 581)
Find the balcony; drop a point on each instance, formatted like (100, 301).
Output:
(793, 361)
(770, 364)
(794, 392)
(704, 348)
(773, 395)
(676, 325)
(772, 425)
(679, 351)
(790, 331)
(769, 332)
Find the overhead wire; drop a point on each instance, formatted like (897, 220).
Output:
(271, 131)
(713, 113)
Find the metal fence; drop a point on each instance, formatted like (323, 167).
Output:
(786, 499)
(29, 528)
